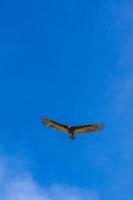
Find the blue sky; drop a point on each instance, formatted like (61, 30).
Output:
(70, 61)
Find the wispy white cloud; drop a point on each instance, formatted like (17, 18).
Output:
(71, 193)
(21, 186)
(121, 102)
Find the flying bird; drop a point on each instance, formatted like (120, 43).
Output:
(72, 130)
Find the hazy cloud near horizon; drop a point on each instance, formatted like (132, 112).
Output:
(21, 186)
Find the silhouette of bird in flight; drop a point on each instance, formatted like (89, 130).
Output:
(72, 130)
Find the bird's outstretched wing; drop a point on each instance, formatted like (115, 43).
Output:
(55, 125)
(87, 128)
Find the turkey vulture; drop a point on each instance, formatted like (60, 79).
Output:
(72, 129)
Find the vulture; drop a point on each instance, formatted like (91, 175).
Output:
(72, 130)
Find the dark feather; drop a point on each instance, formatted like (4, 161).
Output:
(87, 128)
(55, 125)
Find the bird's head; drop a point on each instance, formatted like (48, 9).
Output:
(72, 136)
